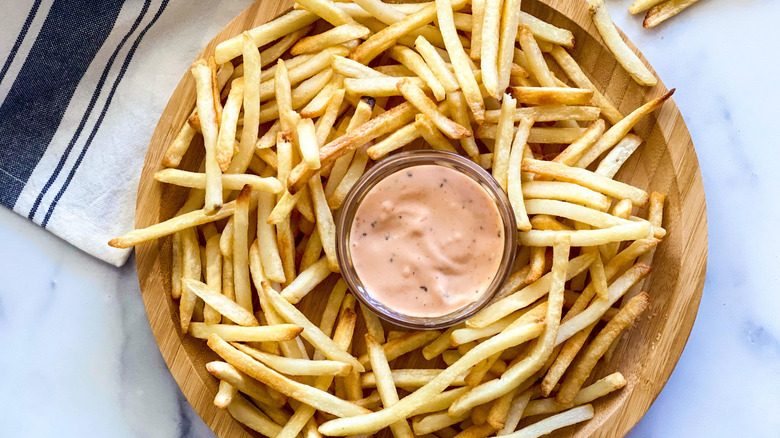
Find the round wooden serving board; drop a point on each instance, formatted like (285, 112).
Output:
(665, 163)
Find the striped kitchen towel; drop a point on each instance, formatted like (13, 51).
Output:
(82, 85)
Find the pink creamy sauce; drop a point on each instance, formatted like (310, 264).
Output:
(426, 241)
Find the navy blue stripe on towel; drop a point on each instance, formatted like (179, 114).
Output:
(114, 87)
(88, 112)
(72, 33)
(20, 39)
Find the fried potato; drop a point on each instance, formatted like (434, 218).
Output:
(662, 12)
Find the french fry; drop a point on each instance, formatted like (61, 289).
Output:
(612, 162)
(241, 286)
(588, 394)
(459, 112)
(546, 31)
(662, 12)
(247, 414)
(283, 93)
(229, 181)
(264, 34)
(504, 135)
(243, 383)
(267, 242)
(624, 55)
(574, 212)
(385, 385)
(307, 143)
(396, 140)
(191, 269)
(436, 64)
(514, 178)
(477, 19)
(575, 73)
(571, 155)
(306, 281)
(435, 422)
(304, 393)
(563, 191)
(558, 421)
(249, 133)
(620, 129)
(328, 119)
(619, 233)
(477, 431)
(642, 5)
(512, 419)
(616, 290)
(417, 97)
(220, 303)
(227, 130)
(215, 89)
(508, 33)
(460, 61)
(407, 378)
(549, 113)
(305, 70)
(325, 224)
(385, 38)
(312, 251)
(326, 10)
(491, 28)
(373, 324)
(354, 172)
(213, 276)
(353, 69)
(225, 394)
(297, 367)
(234, 333)
(586, 178)
(178, 146)
(337, 35)
(552, 95)
(537, 135)
(416, 64)
(536, 64)
(332, 307)
(520, 371)
(431, 134)
(208, 121)
(177, 267)
(536, 264)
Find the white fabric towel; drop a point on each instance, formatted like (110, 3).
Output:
(82, 85)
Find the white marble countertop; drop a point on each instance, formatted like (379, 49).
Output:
(78, 357)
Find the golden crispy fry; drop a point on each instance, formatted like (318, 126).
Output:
(598, 389)
(575, 73)
(536, 64)
(435, 422)
(431, 134)
(574, 212)
(586, 178)
(508, 33)
(264, 34)
(220, 303)
(385, 384)
(250, 416)
(460, 62)
(208, 121)
(354, 172)
(227, 130)
(491, 27)
(407, 378)
(326, 10)
(179, 146)
(191, 269)
(378, 87)
(537, 135)
(552, 95)
(477, 19)
(225, 394)
(459, 111)
(297, 367)
(417, 97)
(549, 113)
(234, 333)
(546, 31)
(437, 64)
(384, 39)
(662, 12)
(537, 264)
(229, 181)
(396, 140)
(416, 64)
(306, 281)
(514, 175)
(213, 276)
(563, 191)
(332, 37)
(642, 5)
(558, 421)
(504, 136)
(624, 55)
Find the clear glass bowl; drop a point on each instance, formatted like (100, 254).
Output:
(394, 164)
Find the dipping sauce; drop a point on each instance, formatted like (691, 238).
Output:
(427, 240)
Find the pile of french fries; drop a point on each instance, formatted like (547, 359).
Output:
(293, 112)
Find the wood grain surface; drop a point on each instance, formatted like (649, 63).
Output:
(666, 163)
